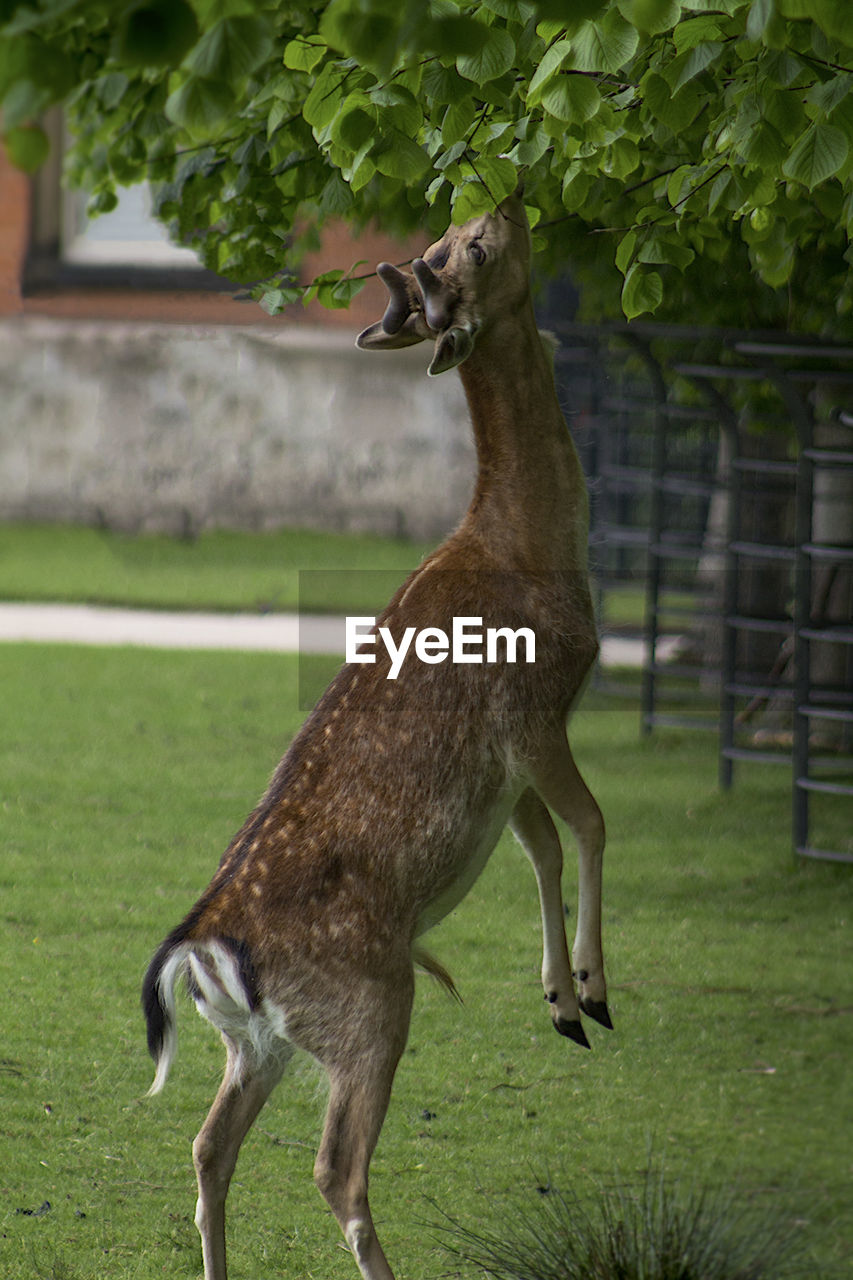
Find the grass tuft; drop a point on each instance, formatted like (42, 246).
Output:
(662, 1230)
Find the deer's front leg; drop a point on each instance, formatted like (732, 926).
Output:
(532, 826)
(557, 780)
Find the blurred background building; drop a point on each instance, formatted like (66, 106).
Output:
(138, 393)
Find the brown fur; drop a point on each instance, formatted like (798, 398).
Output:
(392, 795)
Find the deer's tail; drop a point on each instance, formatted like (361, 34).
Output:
(158, 1004)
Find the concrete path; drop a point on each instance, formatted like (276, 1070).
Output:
(271, 632)
(151, 628)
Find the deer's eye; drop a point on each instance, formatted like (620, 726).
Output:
(476, 252)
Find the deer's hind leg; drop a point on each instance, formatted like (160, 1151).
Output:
(361, 1067)
(243, 1092)
(558, 782)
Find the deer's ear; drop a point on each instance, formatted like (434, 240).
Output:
(374, 338)
(451, 348)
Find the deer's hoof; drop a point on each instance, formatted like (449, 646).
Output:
(573, 1030)
(597, 1009)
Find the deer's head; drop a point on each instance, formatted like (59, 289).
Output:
(465, 281)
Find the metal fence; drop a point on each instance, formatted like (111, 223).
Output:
(721, 480)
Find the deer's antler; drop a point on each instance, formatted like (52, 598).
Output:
(438, 296)
(403, 298)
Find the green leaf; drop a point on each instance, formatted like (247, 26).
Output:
(363, 31)
(572, 97)
(33, 74)
(470, 200)
(651, 16)
(835, 18)
(621, 158)
(450, 36)
(112, 88)
(156, 33)
(27, 147)
(763, 145)
(818, 155)
(450, 156)
(831, 93)
(568, 14)
(24, 102)
(456, 122)
(495, 58)
(575, 186)
(341, 294)
(687, 65)
(675, 187)
(323, 102)
(28, 19)
(625, 251)
(434, 189)
(551, 63)
(785, 112)
(400, 157)
(760, 14)
(661, 250)
(444, 84)
(101, 202)
(606, 45)
(355, 122)
(201, 106)
(336, 197)
(399, 107)
(232, 49)
(676, 111)
(274, 301)
(303, 53)
(362, 169)
(719, 187)
(325, 280)
(774, 257)
(494, 137)
(642, 292)
(532, 148)
(510, 8)
(499, 175)
(693, 31)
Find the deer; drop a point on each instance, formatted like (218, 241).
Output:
(393, 794)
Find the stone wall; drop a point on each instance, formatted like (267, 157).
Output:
(179, 428)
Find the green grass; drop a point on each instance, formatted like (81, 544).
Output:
(624, 607)
(221, 569)
(124, 773)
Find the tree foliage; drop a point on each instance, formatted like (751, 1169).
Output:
(681, 157)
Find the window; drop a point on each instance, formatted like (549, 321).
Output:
(126, 248)
(130, 235)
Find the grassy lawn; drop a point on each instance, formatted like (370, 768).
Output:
(221, 569)
(226, 570)
(122, 776)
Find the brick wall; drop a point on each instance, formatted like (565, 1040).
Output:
(185, 306)
(14, 230)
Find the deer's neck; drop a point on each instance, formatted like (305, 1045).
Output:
(530, 502)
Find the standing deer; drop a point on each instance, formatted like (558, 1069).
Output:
(393, 794)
